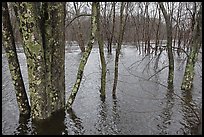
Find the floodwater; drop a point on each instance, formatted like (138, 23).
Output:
(141, 106)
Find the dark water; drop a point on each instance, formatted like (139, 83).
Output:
(141, 107)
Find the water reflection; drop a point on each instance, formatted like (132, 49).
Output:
(23, 128)
(116, 116)
(74, 123)
(108, 119)
(102, 116)
(113, 115)
(51, 126)
(191, 118)
(166, 114)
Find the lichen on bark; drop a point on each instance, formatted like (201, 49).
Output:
(189, 73)
(9, 46)
(84, 58)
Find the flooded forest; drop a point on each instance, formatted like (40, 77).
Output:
(101, 68)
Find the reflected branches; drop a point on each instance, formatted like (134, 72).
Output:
(75, 123)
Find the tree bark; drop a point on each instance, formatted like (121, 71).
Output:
(42, 31)
(101, 51)
(32, 44)
(157, 34)
(10, 48)
(54, 47)
(187, 82)
(112, 31)
(120, 39)
(169, 44)
(84, 57)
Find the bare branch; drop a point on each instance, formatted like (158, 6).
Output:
(76, 18)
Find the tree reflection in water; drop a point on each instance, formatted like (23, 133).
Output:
(116, 116)
(23, 128)
(102, 116)
(167, 112)
(108, 120)
(51, 126)
(191, 118)
(73, 123)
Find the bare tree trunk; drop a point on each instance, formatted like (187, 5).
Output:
(147, 30)
(109, 32)
(10, 48)
(113, 29)
(84, 57)
(120, 39)
(187, 82)
(157, 34)
(101, 51)
(169, 44)
(179, 30)
(79, 31)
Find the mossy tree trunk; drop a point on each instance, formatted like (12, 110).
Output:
(84, 57)
(187, 82)
(10, 48)
(120, 40)
(169, 44)
(32, 44)
(54, 47)
(42, 30)
(101, 51)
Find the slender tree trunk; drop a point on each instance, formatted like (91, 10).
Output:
(179, 42)
(157, 33)
(157, 37)
(147, 30)
(113, 29)
(81, 38)
(101, 51)
(120, 39)
(79, 33)
(10, 48)
(169, 44)
(187, 82)
(84, 57)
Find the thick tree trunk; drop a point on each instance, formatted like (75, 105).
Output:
(120, 39)
(54, 47)
(169, 45)
(32, 44)
(42, 30)
(84, 57)
(101, 51)
(187, 82)
(9, 46)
